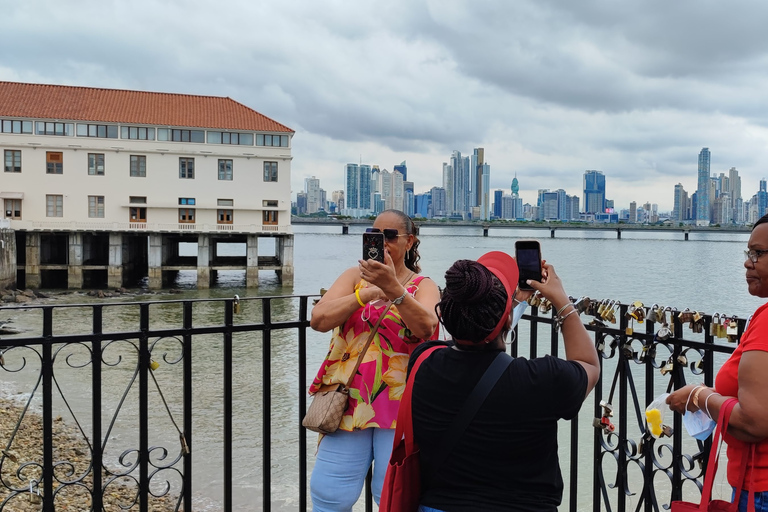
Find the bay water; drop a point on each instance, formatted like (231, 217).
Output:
(705, 273)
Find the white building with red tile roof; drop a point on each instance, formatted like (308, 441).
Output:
(82, 160)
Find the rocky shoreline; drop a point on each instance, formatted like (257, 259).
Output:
(26, 447)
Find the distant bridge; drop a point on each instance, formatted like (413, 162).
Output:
(551, 226)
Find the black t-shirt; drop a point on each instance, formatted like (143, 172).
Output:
(506, 460)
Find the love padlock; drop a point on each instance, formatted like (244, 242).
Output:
(236, 305)
(154, 365)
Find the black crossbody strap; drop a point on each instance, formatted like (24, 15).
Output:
(472, 405)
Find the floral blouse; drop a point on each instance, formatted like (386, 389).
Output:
(374, 394)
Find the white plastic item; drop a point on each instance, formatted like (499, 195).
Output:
(655, 414)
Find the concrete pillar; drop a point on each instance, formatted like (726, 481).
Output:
(551, 233)
(7, 259)
(618, 233)
(486, 227)
(32, 268)
(116, 252)
(155, 262)
(284, 247)
(203, 261)
(75, 261)
(345, 229)
(686, 236)
(252, 261)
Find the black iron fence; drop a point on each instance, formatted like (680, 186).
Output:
(183, 405)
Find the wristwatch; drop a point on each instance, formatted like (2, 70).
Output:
(400, 299)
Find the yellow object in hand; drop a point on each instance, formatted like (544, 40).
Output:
(653, 417)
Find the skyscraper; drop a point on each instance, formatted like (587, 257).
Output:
(594, 192)
(357, 181)
(477, 162)
(497, 195)
(762, 199)
(702, 191)
(314, 200)
(680, 204)
(402, 169)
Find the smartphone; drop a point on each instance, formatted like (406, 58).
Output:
(373, 246)
(528, 256)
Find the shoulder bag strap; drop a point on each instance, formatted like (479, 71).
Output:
(714, 453)
(367, 344)
(472, 405)
(404, 427)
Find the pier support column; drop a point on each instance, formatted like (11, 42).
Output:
(203, 262)
(75, 262)
(618, 234)
(345, 229)
(155, 262)
(486, 227)
(32, 267)
(284, 247)
(252, 261)
(686, 236)
(115, 270)
(551, 233)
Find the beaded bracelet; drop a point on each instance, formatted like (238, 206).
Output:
(359, 301)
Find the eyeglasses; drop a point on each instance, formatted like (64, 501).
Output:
(753, 254)
(389, 234)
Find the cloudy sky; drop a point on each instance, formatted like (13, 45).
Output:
(548, 87)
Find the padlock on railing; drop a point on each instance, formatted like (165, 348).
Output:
(236, 305)
(34, 492)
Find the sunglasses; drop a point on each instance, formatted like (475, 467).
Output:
(389, 234)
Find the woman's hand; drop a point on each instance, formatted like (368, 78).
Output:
(677, 399)
(381, 275)
(550, 286)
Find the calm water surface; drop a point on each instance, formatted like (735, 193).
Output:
(705, 273)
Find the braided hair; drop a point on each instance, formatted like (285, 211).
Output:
(473, 301)
(412, 255)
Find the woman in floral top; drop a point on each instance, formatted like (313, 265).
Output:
(351, 308)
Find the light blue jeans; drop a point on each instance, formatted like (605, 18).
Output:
(343, 459)
(422, 508)
(761, 501)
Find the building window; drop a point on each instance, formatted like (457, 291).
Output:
(270, 203)
(54, 162)
(138, 214)
(11, 126)
(189, 201)
(13, 209)
(96, 164)
(173, 135)
(12, 160)
(272, 140)
(137, 133)
(139, 166)
(242, 139)
(96, 207)
(187, 168)
(45, 128)
(104, 131)
(224, 216)
(187, 215)
(225, 170)
(270, 217)
(270, 171)
(54, 206)
(137, 199)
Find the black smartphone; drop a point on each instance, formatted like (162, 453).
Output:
(373, 246)
(528, 256)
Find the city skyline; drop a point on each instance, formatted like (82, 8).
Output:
(549, 88)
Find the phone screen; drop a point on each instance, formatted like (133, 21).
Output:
(373, 246)
(528, 258)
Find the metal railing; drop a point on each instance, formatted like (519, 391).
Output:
(614, 465)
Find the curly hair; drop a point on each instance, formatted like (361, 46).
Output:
(473, 301)
(412, 256)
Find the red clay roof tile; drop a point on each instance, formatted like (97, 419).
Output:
(64, 102)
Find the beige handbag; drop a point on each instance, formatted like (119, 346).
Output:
(330, 401)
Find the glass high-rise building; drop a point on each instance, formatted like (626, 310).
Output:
(594, 192)
(357, 181)
(702, 190)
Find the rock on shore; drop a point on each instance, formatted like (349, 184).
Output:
(68, 445)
